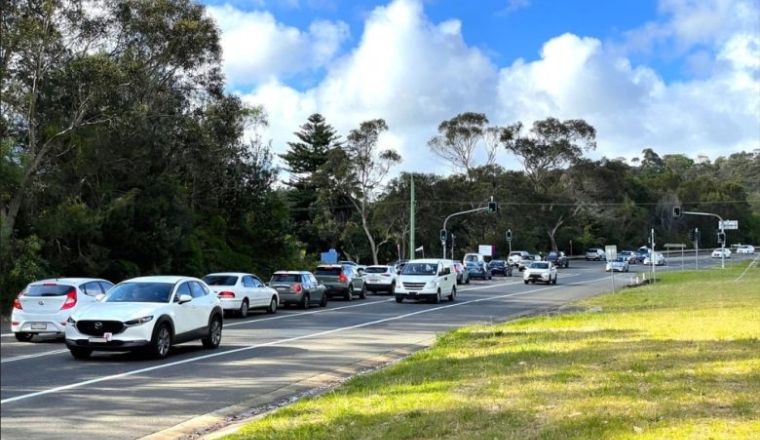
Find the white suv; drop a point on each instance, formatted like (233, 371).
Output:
(429, 279)
(240, 292)
(148, 313)
(44, 306)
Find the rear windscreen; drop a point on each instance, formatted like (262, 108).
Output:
(286, 278)
(335, 271)
(221, 280)
(376, 270)
(47, 290)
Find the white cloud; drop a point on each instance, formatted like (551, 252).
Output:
(257, 48)
(416, 73)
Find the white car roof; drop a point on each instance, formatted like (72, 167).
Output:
(427, 261)
(172, 279)
(72, 280)
(230, 274)
(291, 272)
(385, 266)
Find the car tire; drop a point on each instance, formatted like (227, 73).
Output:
(525, 281)
(23, 336)
(323, 301)
(392, 290)
(243, 312)
(273, 304)
(468, 280)
(80, 353)
(453, 294)
(161, 341)
(214, 337)
(363, 293)
(305, 302)
(349, 293)
(437, 298)
(399, 299)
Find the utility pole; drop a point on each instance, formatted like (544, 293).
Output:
(412, 208)
(651, 259)
(696, 247)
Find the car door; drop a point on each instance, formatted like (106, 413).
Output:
(260, 292)
(317, 290)
(183, 314)
(200, 307)
(248, 289)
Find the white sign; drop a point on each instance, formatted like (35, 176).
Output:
(610, 252)
(485, 249)
(728, 225)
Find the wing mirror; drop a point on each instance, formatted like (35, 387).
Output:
(184, 298)
(99, 297)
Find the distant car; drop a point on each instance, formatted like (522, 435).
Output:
(527, 260)
(745, 249)
(147, 313)
(44, 306)
(240, 292)
(595, 254)
(542, 271)
(516, 256)
(429, 279)
(500, 267)
(641, 254)
(463, 276)
(298, 287)
(629, 256)
(380, 279)
(342, 280)
(658, 258)
(619, 264)
(346, 262)
(559, 259)
(476, 269)
(717, 253)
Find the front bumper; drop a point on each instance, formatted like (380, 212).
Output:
(378, 286)
(113, 345)
(38, 322)
(416, 294)
(130, 338)
(536, 277)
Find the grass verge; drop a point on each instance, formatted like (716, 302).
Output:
(680, 359)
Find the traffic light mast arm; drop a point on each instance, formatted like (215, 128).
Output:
(469, 211)
(723, 241)
(704, 214)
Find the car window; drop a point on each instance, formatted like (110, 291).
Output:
(257, 282)
(539, 265)
(419, 269)
(313, 280)
(248, 282)
(286, 278)
(196, 290)
(334, 271)
(183, 289)
(220, 280)
(376, 269)
(105, 285)
(92, 288)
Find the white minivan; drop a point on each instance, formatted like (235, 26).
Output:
(428, 279)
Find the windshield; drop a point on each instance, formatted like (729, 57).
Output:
(221, 280)
(140, 292)
(419, 269)
(539, 265)
(377, 269)
(620, 260)
(47, 290)
(471, 258)
(286, 278)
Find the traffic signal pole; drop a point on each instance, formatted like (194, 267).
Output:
(722, 233)
(444, 231)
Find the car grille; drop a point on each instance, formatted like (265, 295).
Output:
(98, 328)
(414, 286)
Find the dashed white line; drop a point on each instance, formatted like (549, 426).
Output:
(272, 343)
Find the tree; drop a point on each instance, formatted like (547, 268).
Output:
(458, 139)
(549, 145)
(367, 168)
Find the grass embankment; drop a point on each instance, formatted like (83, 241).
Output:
(680, 359)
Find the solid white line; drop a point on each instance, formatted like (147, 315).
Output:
(5, 335)
(32, 356)
(272, 343)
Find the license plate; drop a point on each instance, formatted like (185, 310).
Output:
(39, 326)
(374, 280)
(107, 337)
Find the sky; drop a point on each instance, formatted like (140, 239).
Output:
(678, 76)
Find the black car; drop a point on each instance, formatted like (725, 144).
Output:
(500, 267)
(478, 269)
(559, 259)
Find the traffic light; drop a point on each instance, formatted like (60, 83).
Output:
(721, 237)
(677, 212)
(444, 235)
(492, 206)
(509, 235)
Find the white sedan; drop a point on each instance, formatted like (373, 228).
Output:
(745, 249)
(543, 271)
(148, 313)
(659, 259)
(380, 279)
(721, 253)
(44, 306)
(239, 292)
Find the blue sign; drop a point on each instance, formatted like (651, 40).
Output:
(329, 257)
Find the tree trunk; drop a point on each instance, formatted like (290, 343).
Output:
(552, 232)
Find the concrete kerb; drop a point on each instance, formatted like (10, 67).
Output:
(229, 420)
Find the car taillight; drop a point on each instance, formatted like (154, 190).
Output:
(297, 288)
(342, 278)
(226, 294)
(71, 299)
(17, 304)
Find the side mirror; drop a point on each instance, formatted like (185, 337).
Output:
(184, 298)
(99, 297)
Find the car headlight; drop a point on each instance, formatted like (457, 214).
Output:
(71, 321)
(432, 284)
(138, 321)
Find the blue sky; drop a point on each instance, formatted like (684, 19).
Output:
(679, 76)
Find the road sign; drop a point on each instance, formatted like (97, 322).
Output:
(728, 225)
(610, 252)
(485, 249)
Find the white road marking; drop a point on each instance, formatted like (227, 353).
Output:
(32, 356)
(6, 335)
(274, 343)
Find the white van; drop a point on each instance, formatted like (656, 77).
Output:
(429, 279)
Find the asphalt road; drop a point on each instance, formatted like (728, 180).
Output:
(46, 394)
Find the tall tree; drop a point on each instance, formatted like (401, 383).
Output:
(458, 138)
